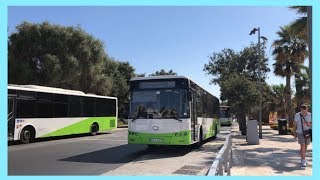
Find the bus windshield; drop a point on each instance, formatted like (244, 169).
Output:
(164, 103)
(225, 112)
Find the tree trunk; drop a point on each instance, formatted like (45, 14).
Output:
(288, 100)
(309, 15)
(299, 92)
(242, 123)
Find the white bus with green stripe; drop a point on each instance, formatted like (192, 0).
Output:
(171, 110)
(225, 116)
(38, 112)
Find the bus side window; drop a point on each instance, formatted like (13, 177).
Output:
(60, 105)
(44, 105)
(199, 107)
(75, 106)
(88, 107)
(26, 104)
(26, 108)
(105, 107)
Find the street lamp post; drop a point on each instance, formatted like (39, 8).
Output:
(259, 74)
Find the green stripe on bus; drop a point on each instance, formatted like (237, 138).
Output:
(212, 130)
(84, 126)
(175, 138)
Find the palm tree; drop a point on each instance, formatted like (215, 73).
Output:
(284, 69)
(278, 99)
(299, 26)
(303, 28)
(303, 81)
(289, 51)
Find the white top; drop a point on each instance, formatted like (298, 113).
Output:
(167, 77)
(297, 120)
(54, 90)
(159, 77)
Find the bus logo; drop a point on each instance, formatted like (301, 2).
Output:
(155, 128)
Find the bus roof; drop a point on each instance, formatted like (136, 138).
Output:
(159, 77)
(168, 77)
(54, 90)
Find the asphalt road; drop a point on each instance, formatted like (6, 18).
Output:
(106, 154)
(81, 155)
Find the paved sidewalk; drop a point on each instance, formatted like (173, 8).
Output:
(172, 161)
(276, 155)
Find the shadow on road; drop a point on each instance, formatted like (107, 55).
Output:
(57, 138)
(118, 154)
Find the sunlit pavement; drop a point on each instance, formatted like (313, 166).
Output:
(276, 155)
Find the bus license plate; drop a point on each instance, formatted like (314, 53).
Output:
(155, 140)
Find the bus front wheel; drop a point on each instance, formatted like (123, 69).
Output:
(94, 129)
(27, 135)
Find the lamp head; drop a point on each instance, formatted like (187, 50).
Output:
(253, 31)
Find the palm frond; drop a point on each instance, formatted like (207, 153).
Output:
(299, 9)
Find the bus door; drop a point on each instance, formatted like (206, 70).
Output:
(11, 117)
(194, 122)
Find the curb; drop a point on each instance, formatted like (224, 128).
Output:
(122, 126)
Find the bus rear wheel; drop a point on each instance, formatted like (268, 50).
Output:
(27, 135)
(94, 129)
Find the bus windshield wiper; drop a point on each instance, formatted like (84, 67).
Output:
(133, 119)
(176, 118)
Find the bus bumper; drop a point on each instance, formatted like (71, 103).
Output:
(176, 138)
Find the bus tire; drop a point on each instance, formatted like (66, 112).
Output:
(94, 129)
(27, 135)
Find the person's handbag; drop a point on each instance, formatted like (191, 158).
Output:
(306, 133)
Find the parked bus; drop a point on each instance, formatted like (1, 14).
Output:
(38, 112)
(225, 115)
(171, 110)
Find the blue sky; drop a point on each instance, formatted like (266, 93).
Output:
(178, 38)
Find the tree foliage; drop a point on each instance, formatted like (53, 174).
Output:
(141, 75)
(122, 73)
(237, 75)
(277, 103)
(66, 57)
(245, 62)
(52, 55)
(299, 26)
(242, 93)
(303, 81)
(162, 72)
